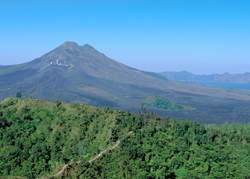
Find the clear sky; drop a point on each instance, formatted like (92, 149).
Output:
(200, 36)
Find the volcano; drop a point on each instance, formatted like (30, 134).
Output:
(74, 73)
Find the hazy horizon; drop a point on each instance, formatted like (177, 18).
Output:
(201, 37)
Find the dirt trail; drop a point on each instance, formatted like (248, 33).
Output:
(99, 155)
(61, 171)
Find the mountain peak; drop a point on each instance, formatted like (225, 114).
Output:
(71, 55)
(74, 46)
(69, 45)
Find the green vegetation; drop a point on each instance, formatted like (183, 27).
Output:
(57, 102)
(18, 94)
(37, 138)
(158, 102)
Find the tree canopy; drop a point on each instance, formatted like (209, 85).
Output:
(18, 94)
(37, 138)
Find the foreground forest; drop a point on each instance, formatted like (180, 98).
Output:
(38, 138)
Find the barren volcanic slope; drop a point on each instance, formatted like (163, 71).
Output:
(74, 73)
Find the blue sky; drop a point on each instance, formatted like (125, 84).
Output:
(200, 36)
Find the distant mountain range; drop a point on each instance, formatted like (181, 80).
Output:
(74, 73)
(185, 76)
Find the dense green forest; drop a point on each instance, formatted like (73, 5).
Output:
(159, 102)
(37, 139)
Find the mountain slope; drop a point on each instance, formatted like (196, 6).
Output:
(40, 139)
(74, 73)
(185, 76)
(74, 69)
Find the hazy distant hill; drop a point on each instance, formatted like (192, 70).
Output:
(185, 76)
(80, 73)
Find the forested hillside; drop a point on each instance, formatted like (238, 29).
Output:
(37, 139)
